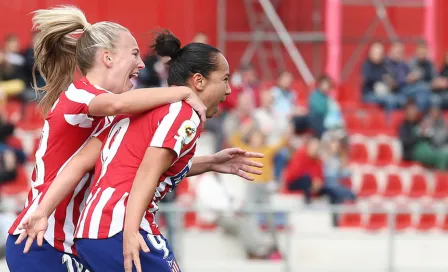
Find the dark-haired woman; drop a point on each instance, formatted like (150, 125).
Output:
(142, 159)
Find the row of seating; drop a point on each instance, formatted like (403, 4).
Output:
(380, 150)
(390, 182)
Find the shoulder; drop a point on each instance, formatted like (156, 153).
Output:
(82, 92)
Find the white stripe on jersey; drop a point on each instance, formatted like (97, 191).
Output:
(145, 224)
(40, 165)
(69, 226)
(118, 216)
(166, 124)
(81, 119)
(79, 95)
(98, 211)
(82, 221)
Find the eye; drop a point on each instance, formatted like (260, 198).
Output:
(135, 55)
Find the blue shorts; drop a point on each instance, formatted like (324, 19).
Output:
(39, 259)
(107, 254)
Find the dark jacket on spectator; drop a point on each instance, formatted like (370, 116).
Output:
(426, 68)
(372, 73)
(399, 71)
(409, 138)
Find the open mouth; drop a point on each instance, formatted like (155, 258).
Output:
(133, 75)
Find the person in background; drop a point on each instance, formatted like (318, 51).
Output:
(374, 87)
(440, 94)
(200, 37)
(305, 171)
(260, 191)
(335, 170)
(29, 93)
(416, 143)
(318, 105)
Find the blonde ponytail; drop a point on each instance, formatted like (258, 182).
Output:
(58, 54)
(55, 50)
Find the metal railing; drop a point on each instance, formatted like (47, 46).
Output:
(390, 210)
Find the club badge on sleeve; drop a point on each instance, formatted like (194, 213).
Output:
(187, 131)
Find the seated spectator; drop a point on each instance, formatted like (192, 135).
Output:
(435, 128)
(305, 172)
(10, 84)
(324, 112)
(374, 88)
(403, 82)
(416, 141)
(440, 94)
(270, 121)
(244, 80)
(284, 96)
(335, 170)
(29, 93)
(239, 116)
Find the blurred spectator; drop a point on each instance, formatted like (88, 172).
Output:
(417, 143)
(397, 68)
(244, 80)
(324, 112)
(11, 82)
(238, 116)
(435, 128)
(305, 171)
(285, 97)
(374, 72)
(440, 94)
(29, 94)
(335, 170)
(200, 37)
(269, 121)
(154, 74)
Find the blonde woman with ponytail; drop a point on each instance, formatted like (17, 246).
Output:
(108, 57)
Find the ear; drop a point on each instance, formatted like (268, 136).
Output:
(199, 81)
(107, 58)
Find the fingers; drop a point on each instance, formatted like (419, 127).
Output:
(253, 155)
(250, 170)
(22, 237)
(40, 238)
(128, 263)
(244, 175)
(137, 264)
(143, 244)
(253, 163)
(28, 244)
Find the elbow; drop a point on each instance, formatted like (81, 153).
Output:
(116, 107)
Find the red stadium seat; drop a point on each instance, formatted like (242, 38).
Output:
(441, 188)
(394, 185)
(418, 186)
(350, 220)
(359, 153)
(445, 223)
(376, 221)
(403, 221)
(369, 186)
(427, 221)
(385, 154)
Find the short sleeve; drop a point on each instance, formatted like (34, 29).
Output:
(76, 105)
(177, 129)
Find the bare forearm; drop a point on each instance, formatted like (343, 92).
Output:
(201, 164)
(62, 186)
(141, 194)
(136, 101)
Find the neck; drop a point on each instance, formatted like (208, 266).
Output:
(96, 78)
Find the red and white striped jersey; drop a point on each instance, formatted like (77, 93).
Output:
(175, 126)
(66, 130)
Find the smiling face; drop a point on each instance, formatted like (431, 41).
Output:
(124, 63)
(215, 88)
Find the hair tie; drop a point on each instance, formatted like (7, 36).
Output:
(87, 27)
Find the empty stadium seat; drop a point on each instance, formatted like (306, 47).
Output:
(369, 185)
(419, 186)
(376, 221)
(427, 221)
(385, 154)
(441, 186)
(445, 223)
(350, 220)
(359, 153)
(394, 185)
(403, 220)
